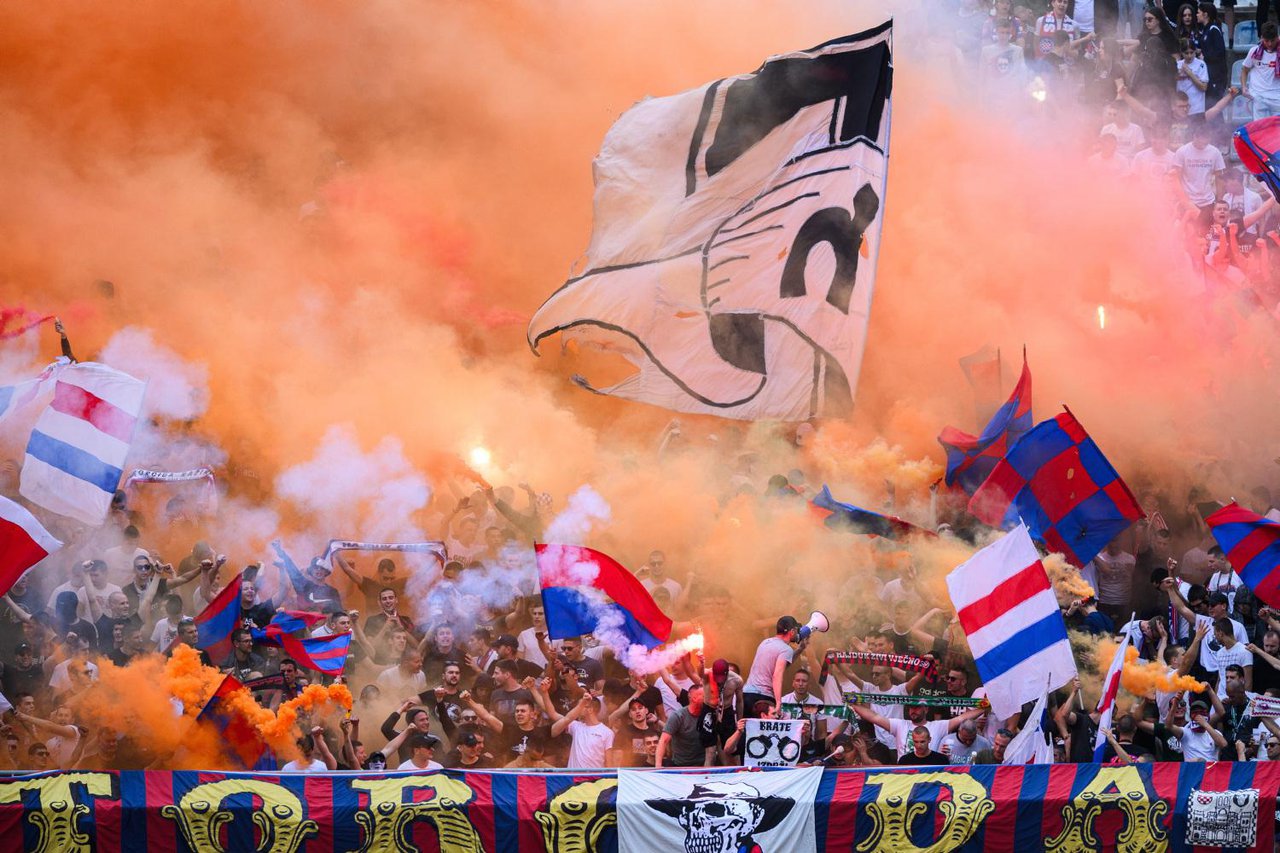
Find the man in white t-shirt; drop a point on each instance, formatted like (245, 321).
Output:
(881, 681)
(530, 644)
(1157, 161)
(1231, 651)
(916, 716)
(1258, 74)
(423, 756)
(655, 572)
(1198, 164)
(590, 739)
(1129, 137)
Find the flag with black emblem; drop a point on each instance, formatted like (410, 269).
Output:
(735, 236)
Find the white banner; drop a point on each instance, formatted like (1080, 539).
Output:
(769, 812)
(771, 743)
(734, 242)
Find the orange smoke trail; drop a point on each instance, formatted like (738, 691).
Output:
(1144, 678)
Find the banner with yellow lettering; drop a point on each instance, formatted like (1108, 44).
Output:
(1065, 807)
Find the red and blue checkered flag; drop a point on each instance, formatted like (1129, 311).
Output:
(1064, 489)
(1252, 545)
(970, 459)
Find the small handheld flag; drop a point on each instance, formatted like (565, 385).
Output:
(1252, 545)
(970, 459)
(585, 591)
(23, 542)
(219, 619)
(843, 516)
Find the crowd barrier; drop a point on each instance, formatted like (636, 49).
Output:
(1153, 807)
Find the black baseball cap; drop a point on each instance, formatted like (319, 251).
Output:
(423, 741)
(1217, 598)
(506, 640)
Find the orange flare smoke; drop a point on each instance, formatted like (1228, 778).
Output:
(1144, 678)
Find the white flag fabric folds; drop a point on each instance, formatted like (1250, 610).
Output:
(735, 236)
(76, 453)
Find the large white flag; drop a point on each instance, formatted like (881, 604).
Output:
(770, 812)
(735, 237)
(1010, 616)
(76, 453)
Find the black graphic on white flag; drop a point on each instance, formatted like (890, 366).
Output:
(732, 257)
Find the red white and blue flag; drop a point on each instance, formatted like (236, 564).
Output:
(23, 542)
(585, 591)
(1252, 545)
(1065, 491)
(219, 618)
(970, 459)
(1107, 701)
(1010, 616)
(76, 453)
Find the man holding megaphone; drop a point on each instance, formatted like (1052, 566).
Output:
(772, 657)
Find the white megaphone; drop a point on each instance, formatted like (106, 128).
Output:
(817, 622)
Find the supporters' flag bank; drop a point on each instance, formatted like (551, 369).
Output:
(585, 591)
(1064, 489)
(733, 251)
(23, 542)
(1252, 545)
(76, 453)
(843, 516)
(970, 459)
(1010, 616)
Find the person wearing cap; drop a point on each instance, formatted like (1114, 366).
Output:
(1200, 741)
(507, 648)
(769, 664)
(468, 752)
(1216, 603)
(311, 588)
(418, 722)
(422, 749)
(25, 673)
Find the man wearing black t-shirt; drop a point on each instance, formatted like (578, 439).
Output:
(590, 671)
(920, 753)
(507, 692)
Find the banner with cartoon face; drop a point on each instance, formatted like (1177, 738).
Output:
(734, 244)
(717, 812)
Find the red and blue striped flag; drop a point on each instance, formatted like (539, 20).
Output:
(323, 654)
(237, 732)
(219, 619)
(842, 516)
(585, 591)
(970, 459)
(1064, 489)
(1252, 546)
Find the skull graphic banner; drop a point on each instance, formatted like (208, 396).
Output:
(717, 812)
(736, 229)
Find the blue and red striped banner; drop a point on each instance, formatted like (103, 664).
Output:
(1148, 807)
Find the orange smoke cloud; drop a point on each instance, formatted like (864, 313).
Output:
(1144, 678)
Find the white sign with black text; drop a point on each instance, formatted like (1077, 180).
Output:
(771, 743)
